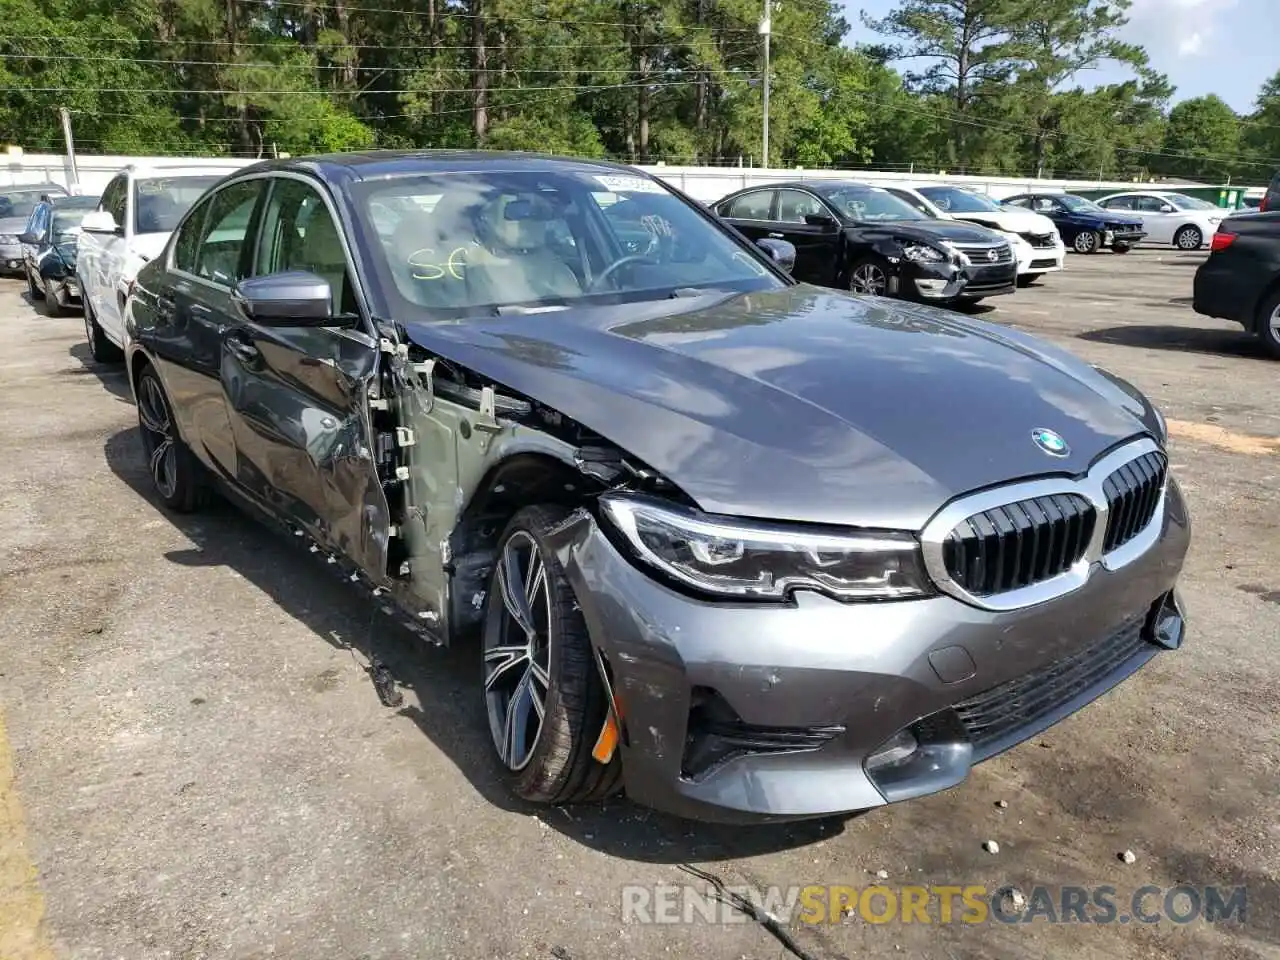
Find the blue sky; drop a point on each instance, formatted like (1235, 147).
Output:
(1227, 47)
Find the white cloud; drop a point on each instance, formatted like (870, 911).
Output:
(1183, 28)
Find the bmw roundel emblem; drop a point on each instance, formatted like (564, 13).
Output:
(1050, 442)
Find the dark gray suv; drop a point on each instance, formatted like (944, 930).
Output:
(1272, 199)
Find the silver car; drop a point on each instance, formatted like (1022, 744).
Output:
(16, 206)
(746, 547)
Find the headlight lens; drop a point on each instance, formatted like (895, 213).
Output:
(767, 561)
(922, 253)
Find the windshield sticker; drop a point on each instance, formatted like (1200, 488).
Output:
(620, 184)
(424, 266)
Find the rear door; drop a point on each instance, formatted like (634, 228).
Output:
(211, 252)
(815, 244)
(750, 213)
(297, 397)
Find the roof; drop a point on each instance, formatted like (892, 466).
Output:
(376, 164)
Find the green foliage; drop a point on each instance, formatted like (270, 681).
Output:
(958, 85)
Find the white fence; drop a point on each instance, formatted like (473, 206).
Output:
(703, 183)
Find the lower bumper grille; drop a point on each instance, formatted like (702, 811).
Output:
(991, 718)
(1049, 262)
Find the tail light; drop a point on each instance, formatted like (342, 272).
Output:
(1220, 241)
(1265, 205)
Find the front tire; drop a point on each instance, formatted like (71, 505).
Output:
(52, 305)
(1087, 241)
(100, 348)
(544, 698)
(1268, 327)
(175, 472)
(34, 291)
(870, 277)
(1120, 248)
(1188, 238)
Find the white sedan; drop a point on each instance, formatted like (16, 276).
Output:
(1168, 217)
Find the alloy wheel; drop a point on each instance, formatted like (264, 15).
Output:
(517, 662)
(158, 436)
(1273, 322)
(1189, 239)
(868, 278)
(1085, 241)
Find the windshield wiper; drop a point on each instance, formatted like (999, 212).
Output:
(681, 293)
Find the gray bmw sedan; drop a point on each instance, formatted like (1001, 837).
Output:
(744, 547)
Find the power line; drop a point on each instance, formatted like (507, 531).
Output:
(294, 44)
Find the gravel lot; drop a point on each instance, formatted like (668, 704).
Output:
(204, 769)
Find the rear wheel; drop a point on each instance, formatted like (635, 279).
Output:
(1188, 238)
(1269, 324)
(1087, 241)
(53, 307)
(175, 472)
(543, 695)
(870, 275)
(100, 348)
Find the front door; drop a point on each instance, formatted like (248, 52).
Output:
(815, 243)
(1158, 218)
(297, 396)
(110, 260)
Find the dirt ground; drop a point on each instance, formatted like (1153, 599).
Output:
(203, 769)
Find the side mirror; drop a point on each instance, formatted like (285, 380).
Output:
(819, 220)
(782, 252)
(29, 237)
(294, 298)
(99, 221)
(1166, 208)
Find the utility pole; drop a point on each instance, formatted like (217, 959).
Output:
(73, 173)
(766, 28)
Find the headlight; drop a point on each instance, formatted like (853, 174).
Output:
(922, 253)
(766, 561)
(1161, 424)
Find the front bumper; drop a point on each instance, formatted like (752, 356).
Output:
(1125, 237)
(1035, 260)
(11, 260)
(942, 282)
(1218, 291)
(817, 687)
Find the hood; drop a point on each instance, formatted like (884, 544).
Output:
(13, 225)
(1009, 221)
(804, 404)
(956, 231)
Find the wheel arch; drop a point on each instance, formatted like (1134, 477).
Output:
(1260, 302)
(522, 478)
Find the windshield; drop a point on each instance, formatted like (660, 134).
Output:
(160, 202)
(66, 223)
(871, 203)
(1078, 204)
(19, 203)
(494, 242)
(1183, 202)
(954, 200)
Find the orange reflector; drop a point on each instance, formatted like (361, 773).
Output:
(607, 742)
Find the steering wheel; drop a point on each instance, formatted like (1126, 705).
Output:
(617, 265)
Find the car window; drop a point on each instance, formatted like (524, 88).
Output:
(1018, 202)
(906, 196)
(187, 243)
(65, 223)
(19, 203)
(956, 200)
(298, 233)
(860, 202)
(160, 202)
(113, 200)
(757, 205)
(511, 241)
(38, 221)
(1149, 204)
(795, 205)
(1117, 203)
(1046, 205)
(226, 226)
(1184, 202)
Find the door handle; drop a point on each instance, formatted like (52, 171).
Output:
(776, 235)
(241, 348)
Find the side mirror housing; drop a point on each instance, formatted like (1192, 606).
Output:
(1167, 208)
(99, 221)
(819, 220)
(294, 298)
(782, 252)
